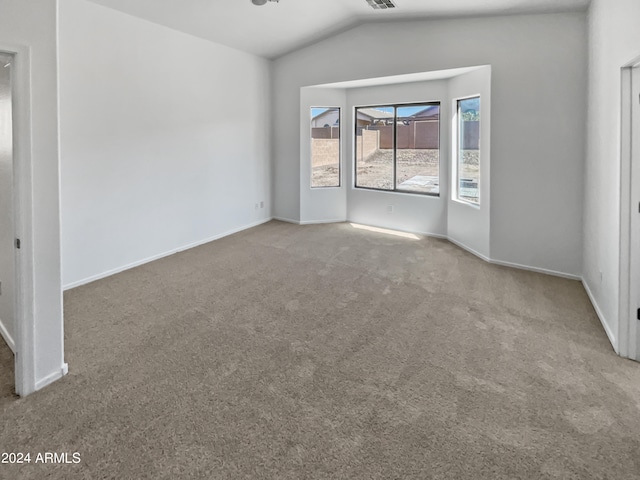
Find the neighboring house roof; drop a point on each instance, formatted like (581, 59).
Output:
(330, 117)
(326, 112)
(319, 115)
(432, 111)
(375, 113)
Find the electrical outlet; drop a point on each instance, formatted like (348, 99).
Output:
(256, 207)
(600, 276)
(261, 204)
(389, 208)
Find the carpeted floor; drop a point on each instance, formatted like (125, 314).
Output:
(328, 352)
(7, 390)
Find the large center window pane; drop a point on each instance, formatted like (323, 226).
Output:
(418, 148)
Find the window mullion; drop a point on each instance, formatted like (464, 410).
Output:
(395, 145)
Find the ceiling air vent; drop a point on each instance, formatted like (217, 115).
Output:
(381, 4)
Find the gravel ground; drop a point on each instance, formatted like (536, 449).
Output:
(377, 170)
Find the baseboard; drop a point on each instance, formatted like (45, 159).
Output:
(52, 377)
(287, 220)
(470, 250)
(318, 222)
(114, 271)
(568, 276)
(544, 271)
(455, 242)
(603, 320)
(7, 338)
(309, 222)
(423, 234)
(518, 266)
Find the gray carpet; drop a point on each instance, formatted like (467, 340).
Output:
(7, 390)
(326, 352)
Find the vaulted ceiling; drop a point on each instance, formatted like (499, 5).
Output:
(274, 29)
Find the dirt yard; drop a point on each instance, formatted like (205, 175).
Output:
(377, 170)
(325, 176)
(421, 165)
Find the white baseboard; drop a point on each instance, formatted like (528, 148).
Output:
(603, 320)
(52, 377)
(529, 268)
(423, 234)
(318, 222)
(287, 220)
(568, 276)
(113, 271)
(7, 338)
(63, 371)
(484, 257)
(470, 250)
(519, 266)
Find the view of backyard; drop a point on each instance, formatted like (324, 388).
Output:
(411, 134)
(324, 175)
(469, 175)
(417, 171)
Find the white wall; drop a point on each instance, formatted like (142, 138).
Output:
(30, 29)
(415, 213)
(7, 236)
(614, 40)
(164, 140)
(539, 70)
(470, 225)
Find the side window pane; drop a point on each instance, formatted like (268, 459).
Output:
(418, 149)
(325, 147)
(469, 150)
(374, 147)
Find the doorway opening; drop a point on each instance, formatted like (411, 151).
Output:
(8, 264)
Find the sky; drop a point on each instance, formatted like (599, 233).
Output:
(317, 111)
(470, 104)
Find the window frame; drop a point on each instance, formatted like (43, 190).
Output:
(456, 156)
(395, 107)
(339, 185)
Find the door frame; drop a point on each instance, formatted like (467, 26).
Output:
(629, 216)
(24, 354)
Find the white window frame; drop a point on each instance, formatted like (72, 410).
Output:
(455, 157)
